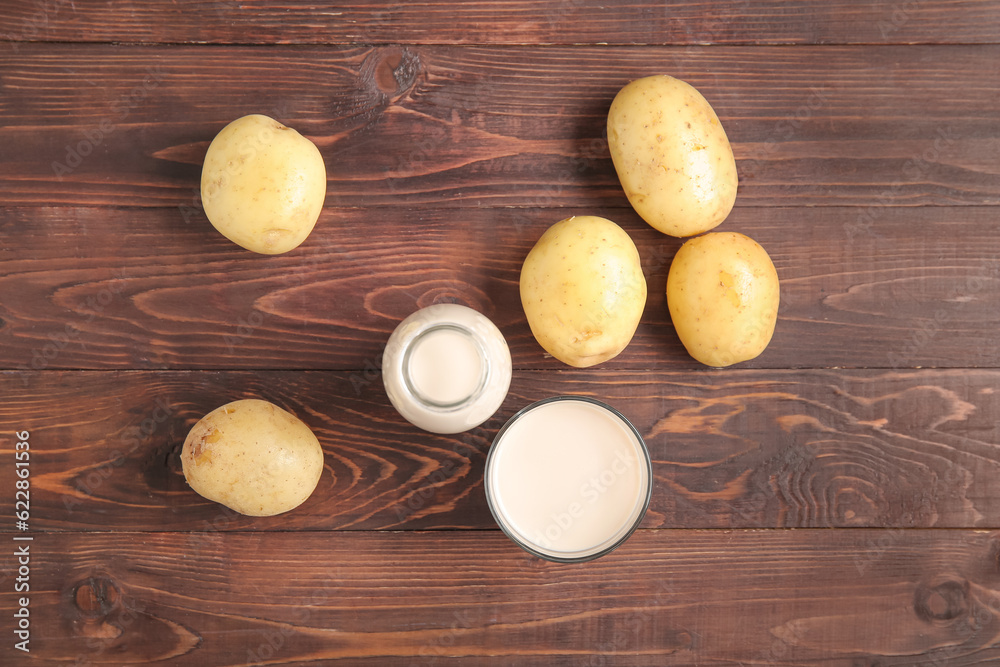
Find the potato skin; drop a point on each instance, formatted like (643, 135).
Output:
(722, 292)
(253, 457)
(263, 185)
(583, 290)
(672, 155)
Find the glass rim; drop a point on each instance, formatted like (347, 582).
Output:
(531, 548)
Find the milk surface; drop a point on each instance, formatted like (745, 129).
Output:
(445, 366)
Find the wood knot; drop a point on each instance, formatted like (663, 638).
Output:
(97, 597)
(391, 71)
(942, 601)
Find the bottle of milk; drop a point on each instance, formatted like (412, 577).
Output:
(446, 368)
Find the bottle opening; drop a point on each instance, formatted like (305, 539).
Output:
(445, 366)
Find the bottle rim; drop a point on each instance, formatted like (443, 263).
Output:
(484, 368)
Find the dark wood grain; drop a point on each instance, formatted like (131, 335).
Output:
(514, 126)
(454, 133)
(755, 449)
(160, 288)
(515, 22)
(839, 598)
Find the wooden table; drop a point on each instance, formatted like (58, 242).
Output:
(830, 502)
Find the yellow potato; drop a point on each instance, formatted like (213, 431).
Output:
(582, 290)
(252, 457)
(672, 156)
(722, 292)
(263, 185)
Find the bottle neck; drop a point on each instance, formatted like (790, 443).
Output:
(445, 367)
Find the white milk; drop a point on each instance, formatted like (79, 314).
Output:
(568, 478)
(445, 365)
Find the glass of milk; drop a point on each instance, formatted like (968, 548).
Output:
(568, 478)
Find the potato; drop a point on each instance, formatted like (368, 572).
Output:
(722, 292)
(583, 290)
(672, 156)
(252, 457)
(263, 185)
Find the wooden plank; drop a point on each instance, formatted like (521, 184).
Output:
(867, 140)
(788, 449)
(515, 22)
(115, 125)
(841, 598)
(102, 288)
